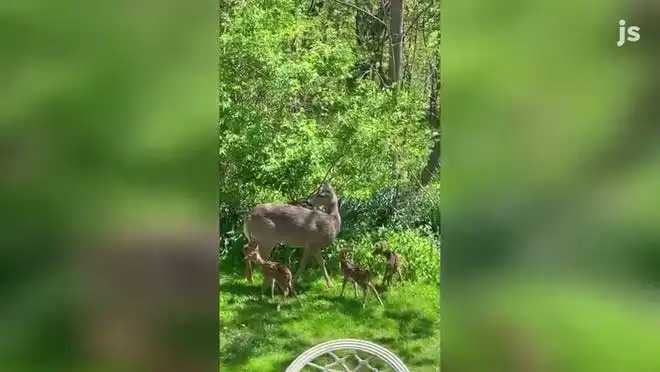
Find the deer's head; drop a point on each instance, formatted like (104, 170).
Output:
(250, 250)
(381, 249)
(324, 196)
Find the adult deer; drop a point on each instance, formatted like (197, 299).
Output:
(296, 226)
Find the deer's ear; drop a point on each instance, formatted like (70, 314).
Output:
(324, 188)
(328, 188)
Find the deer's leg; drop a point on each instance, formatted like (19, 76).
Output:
(319, 258)
(343, 285)
(355, 288)
(303, 262)
(365, 291)
(268, 282)
(375, 293)
(384, 281)
(265, 250)
(272, 288)
(279, 303)
(248, 271)
(284, 287)
(398, 271)
(293, 291)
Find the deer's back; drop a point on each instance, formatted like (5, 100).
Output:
(355, 272)
(290, 224)
(346, 268)
(278, 271)
(363, 275)
(392, 260)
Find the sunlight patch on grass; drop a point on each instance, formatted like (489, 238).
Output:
(254, 336)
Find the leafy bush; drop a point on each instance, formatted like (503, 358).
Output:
(388, 209)
(291, 107)
(418, 248)
(397, 208)
(287, 113)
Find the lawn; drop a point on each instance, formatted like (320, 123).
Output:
(254, 336)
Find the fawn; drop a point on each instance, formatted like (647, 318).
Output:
(393, 263)
(274, 272)
(357, 275)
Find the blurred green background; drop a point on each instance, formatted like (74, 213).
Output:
(551, 246)
(107, 133)
(550, 251)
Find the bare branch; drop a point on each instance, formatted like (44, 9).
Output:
(418, 16)
(362, 11)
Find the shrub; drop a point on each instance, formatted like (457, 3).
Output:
(418, 248)
(407, 213)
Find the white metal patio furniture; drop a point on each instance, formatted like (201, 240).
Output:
(363, 352)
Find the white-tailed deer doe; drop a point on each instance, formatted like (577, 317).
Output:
(296, 226)
(274, 272)
(393, 263)
(356, 274)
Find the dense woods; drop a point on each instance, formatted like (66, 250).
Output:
(331, 90)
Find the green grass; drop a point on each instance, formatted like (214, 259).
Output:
(254, 336)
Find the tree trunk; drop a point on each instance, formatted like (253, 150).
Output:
(369, 39)
(433, 162)
(396, 41)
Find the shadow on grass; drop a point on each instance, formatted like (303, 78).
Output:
(258, 326)
(382, 288)
(258, 329)
(237, 288)
(352, 305)
(412, 324)
(245, 288)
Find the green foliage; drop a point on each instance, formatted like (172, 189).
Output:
(294, 108)
(406, 211)
(419, 250)
(394, 208)
(288, 114)
(291, 109)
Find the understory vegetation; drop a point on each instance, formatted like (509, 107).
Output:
(323, 91)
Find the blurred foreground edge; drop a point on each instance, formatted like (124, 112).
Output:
(151, 299)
